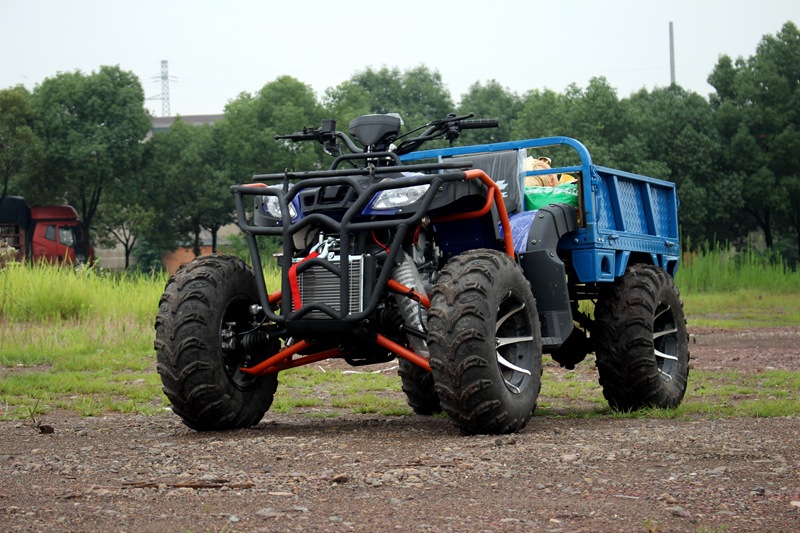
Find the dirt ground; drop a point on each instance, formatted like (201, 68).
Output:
(376, 473)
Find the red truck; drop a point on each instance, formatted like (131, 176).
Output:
(51, 233)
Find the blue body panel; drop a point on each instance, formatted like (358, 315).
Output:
(621, 213)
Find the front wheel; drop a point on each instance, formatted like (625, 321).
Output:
(206, 301)
(643, 346)
(485, 343)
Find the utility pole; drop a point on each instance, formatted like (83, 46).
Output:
(165, 84)
(671, 56)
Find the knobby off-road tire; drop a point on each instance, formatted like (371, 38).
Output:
(643, 346)
(418, 386)
(485, 343)
(203, 381)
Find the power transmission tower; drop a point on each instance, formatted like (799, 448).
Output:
(164, 88)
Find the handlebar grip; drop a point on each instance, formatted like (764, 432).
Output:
(479, 123)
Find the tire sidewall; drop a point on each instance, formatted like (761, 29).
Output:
(674, 389)
(518, 404)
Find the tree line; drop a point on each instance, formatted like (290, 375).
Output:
(86, 139)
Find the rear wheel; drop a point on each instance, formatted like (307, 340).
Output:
(643, 346)
(418, 386)
(205, 302)
(485, 343)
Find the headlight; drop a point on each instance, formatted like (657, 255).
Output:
(273, 207)
(394, 198)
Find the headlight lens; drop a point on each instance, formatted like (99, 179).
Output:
(394, 198)
(273, 207)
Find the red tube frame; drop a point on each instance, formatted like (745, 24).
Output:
(495, 196)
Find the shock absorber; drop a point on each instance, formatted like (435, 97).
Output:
(413, 313)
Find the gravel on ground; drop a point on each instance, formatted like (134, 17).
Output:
(385, 473)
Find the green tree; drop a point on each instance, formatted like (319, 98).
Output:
(159, 231)
(757, 104)
(383, 87)
(345, 102)
(491, 100)
(677, 131)
(122, 224)
(190, 190)
(193, 167)
(597, 118)
(678, 127)
(541, 114)
(91, 127)
(792, 186)
(246, 136)
(424, 96)
(128, 214)
(418, 94)
(594, 116)
(19, 146)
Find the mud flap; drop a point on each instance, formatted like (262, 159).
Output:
(546, 272)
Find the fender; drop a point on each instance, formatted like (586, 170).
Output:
(546, 272)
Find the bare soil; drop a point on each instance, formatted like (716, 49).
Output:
(376, 473)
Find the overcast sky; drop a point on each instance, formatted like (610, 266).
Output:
(217, 49)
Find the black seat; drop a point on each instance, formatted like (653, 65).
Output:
(505, 169)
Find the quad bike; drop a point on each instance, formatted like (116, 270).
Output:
(430, 258)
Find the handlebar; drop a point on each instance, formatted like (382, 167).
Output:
(448, 128)
(326, 132)
(305, 135)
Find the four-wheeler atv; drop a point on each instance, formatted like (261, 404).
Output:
(429, 256)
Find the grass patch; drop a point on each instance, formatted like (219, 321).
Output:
(571, 393)
(285, 403)
(723, 288)
(46, 293)
(710, 394)
(323, 414)
(116, 344)
(742, 309)
(364, 403)
(82, 341)
(314, 393)
(768, 393)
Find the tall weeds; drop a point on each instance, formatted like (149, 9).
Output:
(720, 270)
(52, 315)
(46, 293)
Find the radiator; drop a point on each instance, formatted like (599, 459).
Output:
(318, 285)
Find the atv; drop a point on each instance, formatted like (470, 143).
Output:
(432, 258)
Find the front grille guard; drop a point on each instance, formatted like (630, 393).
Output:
(306, 180)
